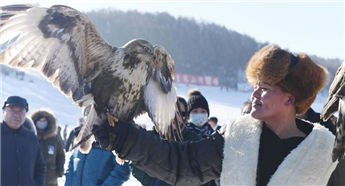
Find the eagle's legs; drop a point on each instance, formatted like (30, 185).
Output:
(112, 120)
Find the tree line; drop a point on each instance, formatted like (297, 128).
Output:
(197, 47)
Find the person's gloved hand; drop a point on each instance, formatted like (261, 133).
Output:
(111, 138)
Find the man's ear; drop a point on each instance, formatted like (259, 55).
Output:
(291, 100)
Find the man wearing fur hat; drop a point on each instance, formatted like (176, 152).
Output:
(21, 158)
(197, 114)
(51, 145)
(269, 146)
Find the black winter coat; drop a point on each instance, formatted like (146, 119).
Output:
(145, 179)
(205, 164)
(21, 159)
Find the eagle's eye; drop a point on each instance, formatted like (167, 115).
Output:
(146, 49)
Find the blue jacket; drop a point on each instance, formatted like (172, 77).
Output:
(98, 167)
(21, 159)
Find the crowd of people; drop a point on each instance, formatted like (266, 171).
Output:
(278, 139)
(33, 151)
(99, 166)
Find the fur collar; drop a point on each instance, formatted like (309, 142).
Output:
(309, 164)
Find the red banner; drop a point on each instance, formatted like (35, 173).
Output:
(196, 80)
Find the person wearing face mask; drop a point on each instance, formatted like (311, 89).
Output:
(198, 112)
(51, 145)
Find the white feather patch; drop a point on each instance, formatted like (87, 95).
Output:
(22, 23)
(160, 106)
(86, 129)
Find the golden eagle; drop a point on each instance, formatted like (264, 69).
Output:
(336, 102)
(110, 82)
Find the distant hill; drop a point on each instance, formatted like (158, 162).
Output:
(197, 47)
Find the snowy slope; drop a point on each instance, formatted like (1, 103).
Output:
(41, 94)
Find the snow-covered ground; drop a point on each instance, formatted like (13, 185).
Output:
(41, 94)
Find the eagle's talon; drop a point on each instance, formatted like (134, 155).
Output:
(111, 120)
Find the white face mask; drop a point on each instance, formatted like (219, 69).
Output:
(198, 119)
(41, 124)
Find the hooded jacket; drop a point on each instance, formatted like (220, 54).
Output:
(51, 146)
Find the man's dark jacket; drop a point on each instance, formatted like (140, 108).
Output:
(144, 178)
(194, 165)
(21, 158)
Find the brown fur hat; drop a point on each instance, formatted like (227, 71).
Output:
(297, 75)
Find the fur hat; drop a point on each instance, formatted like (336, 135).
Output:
(297, 75)
(196, 100)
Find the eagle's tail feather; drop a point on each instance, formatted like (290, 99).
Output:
(86, 130)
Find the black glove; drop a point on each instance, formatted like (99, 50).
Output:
(111, 138)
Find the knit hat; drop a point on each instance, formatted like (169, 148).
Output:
(297, 75)
(196, 100)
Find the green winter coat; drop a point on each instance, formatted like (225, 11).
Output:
(51, 146)
(144, 178)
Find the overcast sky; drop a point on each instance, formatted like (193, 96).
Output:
(313, 27)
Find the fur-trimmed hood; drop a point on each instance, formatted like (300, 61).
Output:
(51, 129)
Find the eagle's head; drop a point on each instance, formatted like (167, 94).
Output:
(141, 49)
(163, 68)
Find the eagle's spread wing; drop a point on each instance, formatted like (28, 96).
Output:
(335, 102)
(59, 41)
(161, 89)
(109, 82)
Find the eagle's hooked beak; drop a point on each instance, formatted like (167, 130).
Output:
(153, 60)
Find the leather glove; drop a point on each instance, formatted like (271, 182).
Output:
(111, 138)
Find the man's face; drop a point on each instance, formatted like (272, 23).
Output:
(268, 102)
(14, 116)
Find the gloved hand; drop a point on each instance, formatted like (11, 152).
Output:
(111, 138)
